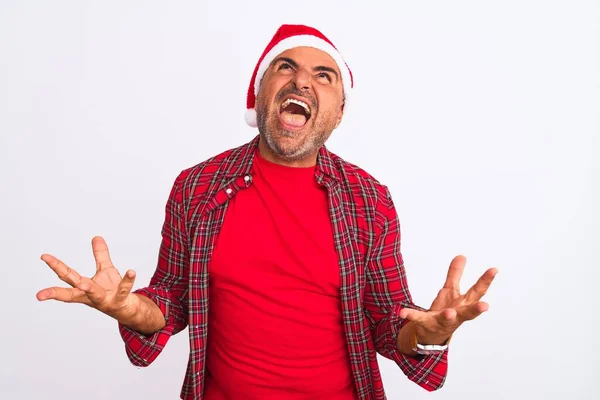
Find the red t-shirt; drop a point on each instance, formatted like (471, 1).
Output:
(275, 326)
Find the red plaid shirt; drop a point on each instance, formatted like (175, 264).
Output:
(367, 239)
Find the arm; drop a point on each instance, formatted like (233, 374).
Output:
(166, 293)
(386, 294)
(147, 317)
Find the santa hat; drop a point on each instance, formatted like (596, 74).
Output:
(288, 37)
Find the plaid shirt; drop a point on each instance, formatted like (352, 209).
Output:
(367, 239)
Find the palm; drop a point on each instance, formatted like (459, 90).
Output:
(106, 291)
(451, 308)
(108, 279)
(447, 298)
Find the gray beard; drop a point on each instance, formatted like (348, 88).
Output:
(309, 146)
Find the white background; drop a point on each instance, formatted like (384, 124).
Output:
(480, 116)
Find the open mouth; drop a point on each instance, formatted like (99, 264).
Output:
(294, 113)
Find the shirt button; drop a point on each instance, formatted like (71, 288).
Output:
(247, 178)
(228, 191)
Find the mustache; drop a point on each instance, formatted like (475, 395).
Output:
(287, 91)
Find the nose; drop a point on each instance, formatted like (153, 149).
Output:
(302, 79)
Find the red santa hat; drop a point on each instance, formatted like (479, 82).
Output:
(288, 37)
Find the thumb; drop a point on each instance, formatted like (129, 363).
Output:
(413, 315)
(125, 286)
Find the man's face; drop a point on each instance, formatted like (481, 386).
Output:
(300, 102)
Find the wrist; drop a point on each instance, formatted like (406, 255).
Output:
(429, 346)
(411, 342)
(405, 339)
(431, 340)
(126, 314)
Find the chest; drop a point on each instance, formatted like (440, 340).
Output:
(274, 241)
(330, 219)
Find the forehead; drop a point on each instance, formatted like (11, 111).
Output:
(309, 56)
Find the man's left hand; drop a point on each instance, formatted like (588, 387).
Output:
(450, 308)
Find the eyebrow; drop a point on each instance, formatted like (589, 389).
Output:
(287, 60)
(320, 68)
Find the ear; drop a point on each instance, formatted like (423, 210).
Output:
(339, 121)
(340, 115)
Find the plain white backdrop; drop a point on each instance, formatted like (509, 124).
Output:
(481, 117)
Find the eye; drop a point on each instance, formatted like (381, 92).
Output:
(324, 75)
(284, 66)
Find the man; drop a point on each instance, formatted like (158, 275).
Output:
(282, 259)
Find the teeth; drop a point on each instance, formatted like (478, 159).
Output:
(298, 102)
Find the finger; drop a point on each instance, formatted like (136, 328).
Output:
(125, 285)
(92, 290)
(457, 266)
(101, 253)
(480, 288)
(472, 311)
(62, 270)
(447, 317)
(417, 316)
(66, 295)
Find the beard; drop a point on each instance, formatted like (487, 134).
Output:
(287, 145)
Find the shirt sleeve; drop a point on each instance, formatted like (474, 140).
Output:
(386, 294)
(168, 287)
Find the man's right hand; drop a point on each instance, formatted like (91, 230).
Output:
(106, 291)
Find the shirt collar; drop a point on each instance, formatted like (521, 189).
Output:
(239, 163)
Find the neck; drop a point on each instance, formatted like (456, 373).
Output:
(269, 155)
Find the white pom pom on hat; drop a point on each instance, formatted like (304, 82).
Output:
(251, 117)
(288, 37)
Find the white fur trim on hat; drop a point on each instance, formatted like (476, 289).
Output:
(301, 41)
